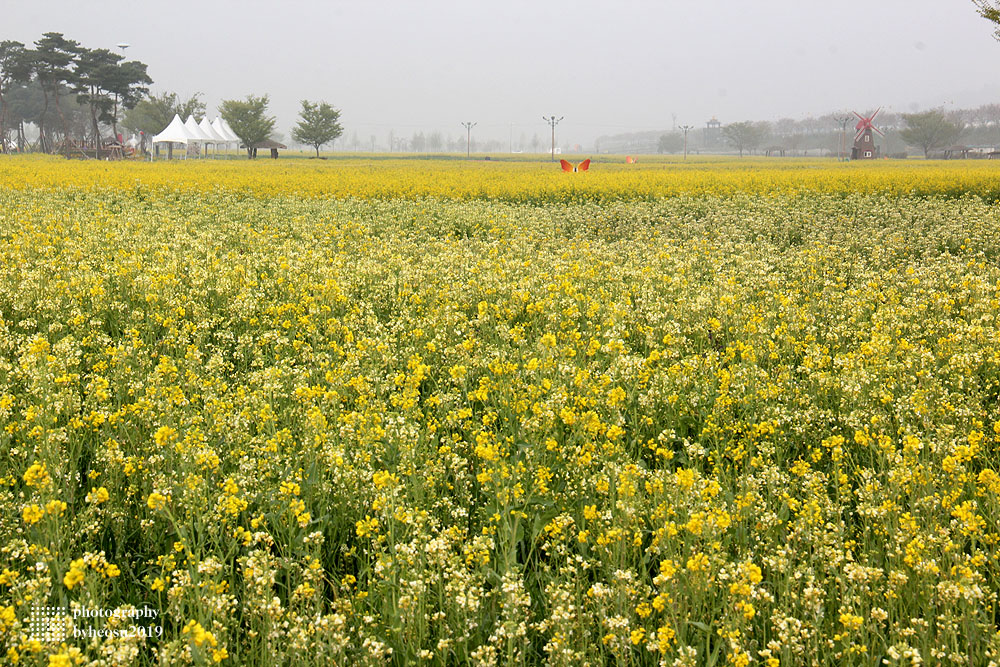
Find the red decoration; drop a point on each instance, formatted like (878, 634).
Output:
(866, 124)
(583, 166)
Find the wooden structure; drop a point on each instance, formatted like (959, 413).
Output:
(268, 144)
(111, 150)
(864, 139)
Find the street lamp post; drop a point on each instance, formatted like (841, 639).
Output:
(553, 121)
(468, 138)
(685, 129)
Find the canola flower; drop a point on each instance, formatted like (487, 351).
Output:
(513, 181)
(755, 423)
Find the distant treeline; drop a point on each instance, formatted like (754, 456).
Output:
(816, 135)
(57, 95)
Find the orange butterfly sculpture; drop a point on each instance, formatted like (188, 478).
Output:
(629, 160)
(583, 166)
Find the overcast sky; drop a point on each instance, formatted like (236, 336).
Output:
(608, 66)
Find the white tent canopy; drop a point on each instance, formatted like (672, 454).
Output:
(192, 126)
(175, 133)
(192, 132)
(226, 130)
(207, 128)
(221, 131)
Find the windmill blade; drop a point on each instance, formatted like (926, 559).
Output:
(859, 115)
(874, 114)
(584, 166)
(878, 130)
(858, 135)
(566, 166)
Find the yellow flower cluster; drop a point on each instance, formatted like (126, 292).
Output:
(511, 180)
(75, 575)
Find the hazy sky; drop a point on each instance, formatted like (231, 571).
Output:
(608, 67)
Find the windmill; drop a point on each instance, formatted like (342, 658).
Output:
(864, 140)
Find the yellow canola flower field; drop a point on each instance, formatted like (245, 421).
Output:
(512, 181)
(385, 413)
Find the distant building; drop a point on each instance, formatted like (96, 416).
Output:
(864, 141)
(713, 133)
(864, 146)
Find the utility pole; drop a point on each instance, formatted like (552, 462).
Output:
(843, 120)
(685, 129)
(553, 121)
(468, 137)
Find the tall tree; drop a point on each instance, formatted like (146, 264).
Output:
(248, 119)
(53, 62)
(127, 84)
(318, 125)
(24, 104)
(434, 142)
(745, 136)
(418, 142)
(14, 69)
(929, 130)
(104, 83)
(95, 69)
(764, 133)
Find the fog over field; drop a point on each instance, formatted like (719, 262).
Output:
(607, 67)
